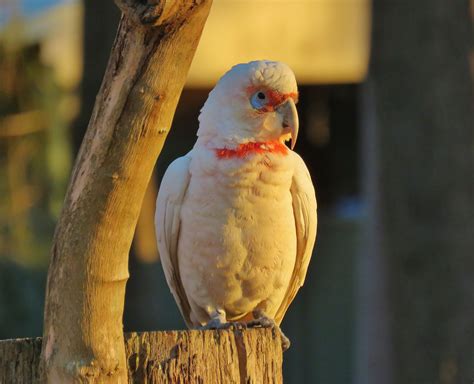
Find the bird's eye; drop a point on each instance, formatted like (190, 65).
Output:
(259, 100)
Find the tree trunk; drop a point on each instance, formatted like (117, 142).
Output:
(131, 118)
(424, 186)
(252, 356)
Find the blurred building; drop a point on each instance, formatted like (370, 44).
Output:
(323, 41)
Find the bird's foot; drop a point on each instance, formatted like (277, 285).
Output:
(218, 321)
(217, 324)
(263, 321)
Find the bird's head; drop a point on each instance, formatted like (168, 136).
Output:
(253, 102)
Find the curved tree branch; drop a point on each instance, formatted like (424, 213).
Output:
(83, 338)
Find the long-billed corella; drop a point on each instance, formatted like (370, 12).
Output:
(236, 216)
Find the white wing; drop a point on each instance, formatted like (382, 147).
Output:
(304, 210)
(167, 224)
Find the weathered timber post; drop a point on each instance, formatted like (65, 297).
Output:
(153, 49)
(253, 356)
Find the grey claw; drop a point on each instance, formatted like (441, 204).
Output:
(217, 324)
(236, 325)
(213, 324)
(261, 320)
(285, 341)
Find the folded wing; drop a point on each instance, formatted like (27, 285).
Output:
(304, 210)
(167, 223)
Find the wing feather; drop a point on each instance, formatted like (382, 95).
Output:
(304, 210)
(167, 224)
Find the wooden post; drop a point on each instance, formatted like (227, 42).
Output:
(149, 62)
(251, 356)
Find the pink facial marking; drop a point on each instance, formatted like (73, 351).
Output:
(275, 98)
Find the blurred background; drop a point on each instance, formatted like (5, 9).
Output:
(387, 121)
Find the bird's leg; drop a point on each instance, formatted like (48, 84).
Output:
(219, 321)
(261, 320)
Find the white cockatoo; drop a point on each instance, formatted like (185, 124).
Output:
(236, 216)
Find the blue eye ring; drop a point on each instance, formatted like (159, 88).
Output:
(259, 100)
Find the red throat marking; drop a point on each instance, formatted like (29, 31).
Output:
(252, 148)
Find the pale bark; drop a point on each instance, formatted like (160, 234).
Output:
(253, 356)
(131, 118)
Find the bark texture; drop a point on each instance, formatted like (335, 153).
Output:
(19, 361)
(424, 186)
(227, 357)
(146, 72)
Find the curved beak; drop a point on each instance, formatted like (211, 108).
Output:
(290, 120)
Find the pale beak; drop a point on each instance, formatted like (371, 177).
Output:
(290, 120)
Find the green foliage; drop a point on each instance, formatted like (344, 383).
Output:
(35, 154)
